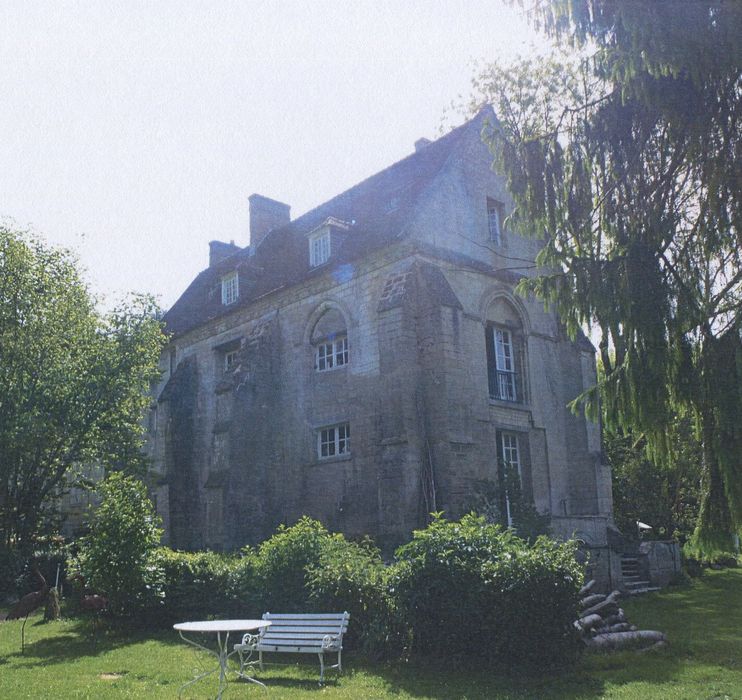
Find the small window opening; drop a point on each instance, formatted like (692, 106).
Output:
(495, 218)
(333, 441)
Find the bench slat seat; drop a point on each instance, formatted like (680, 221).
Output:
(307, 633)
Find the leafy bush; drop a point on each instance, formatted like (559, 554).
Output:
(472, 588)
(352, 576)
(280, 567)
(304, 568)
(196, 585)
(118, 557)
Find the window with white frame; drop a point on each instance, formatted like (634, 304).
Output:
(503, 374)
(495, 217)
(231, 360)
(332, 354)
(319, 248)
(509, 454)
(230, 288)
(333, 441)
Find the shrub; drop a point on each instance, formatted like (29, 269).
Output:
(118, 558)
(352, 576)
(196, 585)
(280, 567)
(304, 568)
(472, 588)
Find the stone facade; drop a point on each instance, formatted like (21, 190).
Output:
(449, 372)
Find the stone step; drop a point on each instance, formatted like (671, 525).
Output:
(635, 584)
(639, 591)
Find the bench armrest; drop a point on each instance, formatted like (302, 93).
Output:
(250, 640)
(332, 641)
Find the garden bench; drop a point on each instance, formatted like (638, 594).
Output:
(291, 633)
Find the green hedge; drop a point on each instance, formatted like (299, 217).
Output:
(476, 590)
(195, 585)
(466, 588)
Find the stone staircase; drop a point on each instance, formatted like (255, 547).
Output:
(633, 579)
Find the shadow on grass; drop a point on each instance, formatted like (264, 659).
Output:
(81, 639)
(587, 679)
(702, 622)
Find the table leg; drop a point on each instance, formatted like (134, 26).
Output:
(222, 656)
(207, 673)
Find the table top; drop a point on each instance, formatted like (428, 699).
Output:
(221, 625)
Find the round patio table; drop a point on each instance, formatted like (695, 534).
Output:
(221, 628)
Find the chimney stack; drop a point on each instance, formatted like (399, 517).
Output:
(265, 215)
(218, 251)
(421, 143)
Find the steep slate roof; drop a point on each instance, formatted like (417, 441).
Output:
(379, 210)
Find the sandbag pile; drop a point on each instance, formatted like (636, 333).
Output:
(603, 625)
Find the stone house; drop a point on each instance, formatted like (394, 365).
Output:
(370, 362)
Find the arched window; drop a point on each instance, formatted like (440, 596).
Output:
(330, 341)
(504, 341)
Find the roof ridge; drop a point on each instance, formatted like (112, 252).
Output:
(452, 135)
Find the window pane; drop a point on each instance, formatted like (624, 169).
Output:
(503, 350)
(341, 351)
(319, 249)
(510, 454)
(343, 439)
(494, 220)
(230, 289)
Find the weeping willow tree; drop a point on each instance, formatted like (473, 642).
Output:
(626, 159)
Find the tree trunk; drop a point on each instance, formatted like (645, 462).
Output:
(604, 605)
(624, 640)
(592, 600)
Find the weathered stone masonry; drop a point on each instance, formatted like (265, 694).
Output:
(425, 297)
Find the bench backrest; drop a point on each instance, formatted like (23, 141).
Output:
(308, 629)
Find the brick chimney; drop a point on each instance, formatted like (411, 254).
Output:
(265, 215)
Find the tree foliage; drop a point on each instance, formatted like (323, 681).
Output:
(664, 495)
(73, 383)
(626, 158)
(118, 557)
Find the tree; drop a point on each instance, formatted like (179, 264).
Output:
(627, 159)
(118, 556)
(664, 495)
(74, 384)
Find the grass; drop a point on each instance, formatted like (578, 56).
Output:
(704, 660)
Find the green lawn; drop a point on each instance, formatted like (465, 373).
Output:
(704, 660)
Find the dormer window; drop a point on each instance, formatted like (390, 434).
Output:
(322, 239)
(495, 217)
(230, 289)
(319, 247)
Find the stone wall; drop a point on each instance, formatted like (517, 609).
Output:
(235, 448)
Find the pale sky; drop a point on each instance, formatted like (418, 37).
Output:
(134, 132)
